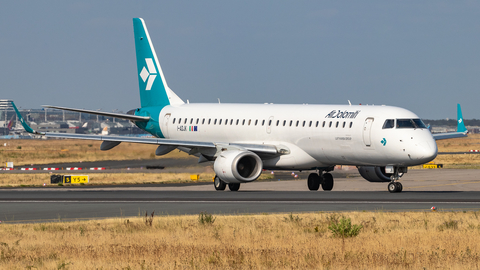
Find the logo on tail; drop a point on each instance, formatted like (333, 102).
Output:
(148, 74)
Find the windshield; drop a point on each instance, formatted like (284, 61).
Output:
(389, 123)
(410, 123)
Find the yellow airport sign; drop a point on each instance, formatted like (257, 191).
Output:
(432, 166)
(75, 179)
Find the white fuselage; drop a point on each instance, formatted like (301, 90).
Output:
(316, 135)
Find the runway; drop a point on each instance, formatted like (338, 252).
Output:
(445, 189)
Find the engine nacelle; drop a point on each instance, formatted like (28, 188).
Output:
(374, 174)
(236, 166)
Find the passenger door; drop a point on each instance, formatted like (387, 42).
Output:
(367, 131)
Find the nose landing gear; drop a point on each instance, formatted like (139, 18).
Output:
(394, 185)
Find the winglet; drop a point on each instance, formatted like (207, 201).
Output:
(460, 124)
(24, 124)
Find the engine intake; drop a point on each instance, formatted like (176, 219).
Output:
(374, 174)
(236, 166)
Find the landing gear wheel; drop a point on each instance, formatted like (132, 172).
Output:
(314, 181)
(234, 186)
(392, 187)
(219, 184)
(327, 183)
(399, 186)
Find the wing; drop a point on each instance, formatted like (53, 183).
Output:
(449, 135)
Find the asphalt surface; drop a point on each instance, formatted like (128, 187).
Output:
(445, 189)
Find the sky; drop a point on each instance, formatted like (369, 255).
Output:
(420, 55)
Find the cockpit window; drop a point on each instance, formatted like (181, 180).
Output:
(419, 123)
(410, 123)
(389, 123)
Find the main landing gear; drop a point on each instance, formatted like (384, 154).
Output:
(315, 180)
(220, 185)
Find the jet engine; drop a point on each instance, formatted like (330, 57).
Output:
(238, 166)
(374, 174)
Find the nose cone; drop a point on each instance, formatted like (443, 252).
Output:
(425, 151)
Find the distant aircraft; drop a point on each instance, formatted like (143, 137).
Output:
(243, 139)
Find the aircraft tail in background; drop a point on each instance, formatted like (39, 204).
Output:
(460, 124)
(461, 129)
(10, 124)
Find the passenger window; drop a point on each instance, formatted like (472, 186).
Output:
(173, 122)
(310, 124)
(284, 122)
(209, 120)
(263, 123)
(336, 125)
(316, 124)
(291, 122)
(389, 123)
(203, 121)
(215, 121)
(303, 125)
(269, 122)
(256, 122)
(231, 122)
(344, 124)
(323, 125)
(249, 121)
(278, 122)
(243, 122)
(220, 122)
(226, 122)
(297, 123)
(351, 124)
(186, 120)
(198, 120)
(238, 121)
(191, 121)
(330, 125)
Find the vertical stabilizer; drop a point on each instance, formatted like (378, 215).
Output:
(460, 124)
(154, 90)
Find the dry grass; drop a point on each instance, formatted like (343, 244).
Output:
(459, 145)
(26, 152)
(38, 179)
(410, 240)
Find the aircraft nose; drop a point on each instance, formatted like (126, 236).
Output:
(425, 151)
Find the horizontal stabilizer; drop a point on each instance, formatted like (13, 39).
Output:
(108, 114)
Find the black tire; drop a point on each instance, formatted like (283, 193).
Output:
(314, 181)
(234, 186)
(399, 186)
(327, 183)
(392, 187)
(219, 184)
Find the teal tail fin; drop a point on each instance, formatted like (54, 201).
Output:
(460, 124)
(154, 90)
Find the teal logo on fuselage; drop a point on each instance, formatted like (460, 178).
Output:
(384, 141)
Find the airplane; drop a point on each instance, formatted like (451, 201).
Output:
(243, 139)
